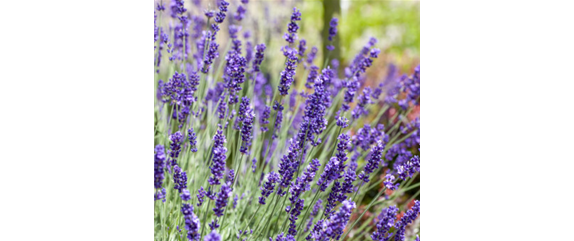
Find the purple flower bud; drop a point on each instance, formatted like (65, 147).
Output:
(333, 28)
(185, 196)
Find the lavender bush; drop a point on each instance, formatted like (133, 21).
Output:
(245, 152)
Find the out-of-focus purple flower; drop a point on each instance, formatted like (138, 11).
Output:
(179, 179)
(159, 164)
(235, 201)
(218, 158)
(191, 222)
(313, 74)
(220, 16)
(279, 108)
(264, 120)
(302, 48)
(185, 196)
(373, 163)
(213, 236)
(233, 30)
(259, 55)
(268, 187)
(240, 14)
(288, 75)
(231, 176)
(209, 14)
(200, 195)
(210, 56)
(311, 56)
(386, 222)
(292, 99)
(254, 165)
(333, 28)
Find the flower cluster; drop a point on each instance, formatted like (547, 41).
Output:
(218, 157)
(385, 223)
(267, 189)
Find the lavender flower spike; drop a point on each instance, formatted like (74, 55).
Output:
(386, 222)
(338, 221)
(288, 75)
(373, 163)
(268, 187)
(191, 222)
(409, 217)
(218, 165)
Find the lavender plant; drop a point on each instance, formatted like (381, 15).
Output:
(276, 162)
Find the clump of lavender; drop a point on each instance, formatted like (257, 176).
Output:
(268, 187)
(218, 160)
(385, 223)
(265, 118)
(373, 163)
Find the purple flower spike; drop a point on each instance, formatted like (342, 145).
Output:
(333, 28)
(191, 222)
(373, 163)
(265, 118)
(210, 56)
(408, 218)
(338, 221)
(268, 187)
(386, 222)
(259, 55)
(288, 75)
(158, 166)
(221, 201)
(218, 158)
